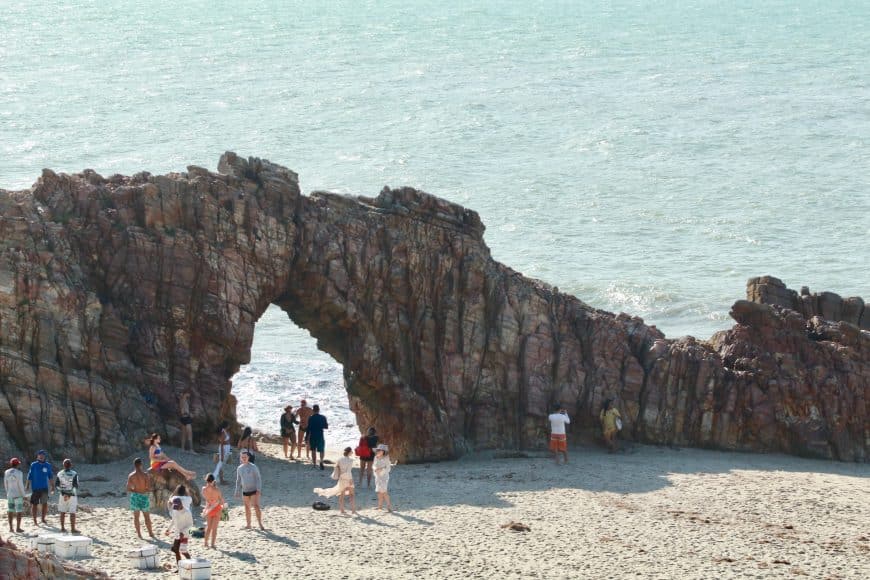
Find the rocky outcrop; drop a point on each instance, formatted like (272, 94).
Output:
(827, 305)
(17, 564)
(118, 294)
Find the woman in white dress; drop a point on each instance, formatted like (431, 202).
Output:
(343, 472)
(382, 476)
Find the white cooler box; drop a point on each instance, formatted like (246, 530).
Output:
(44, 543)
(144, 557)
(194, 569)
(73, 546)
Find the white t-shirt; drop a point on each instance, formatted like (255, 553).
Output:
(558, 422)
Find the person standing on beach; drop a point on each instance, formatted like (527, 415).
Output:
(40, 478)
(343, 472)
(224, 449)
(288, 431)
(303, 413)
(250, 483)
(214, 505)
(382, 469)
(182, 521)
(67, 484)
(558, 437)
(367, 444)
(316, 441)
(139, 485)
(186, 421)
(610, 424)
(248, 444)
(13, 482)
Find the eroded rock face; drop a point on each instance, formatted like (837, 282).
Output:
(118, 294)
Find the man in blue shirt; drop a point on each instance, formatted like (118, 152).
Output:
(316, 442)
(40, 479)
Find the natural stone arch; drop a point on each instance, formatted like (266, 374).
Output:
(118, 294)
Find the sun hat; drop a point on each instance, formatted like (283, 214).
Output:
(382, 447)
(14, 461)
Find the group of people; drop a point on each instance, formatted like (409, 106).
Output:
(41, 481)
(310, 434)
(611, 424)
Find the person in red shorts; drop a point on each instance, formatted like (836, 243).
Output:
(558, 438)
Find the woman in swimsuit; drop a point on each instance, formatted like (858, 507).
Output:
(247, 442)
(160, 460)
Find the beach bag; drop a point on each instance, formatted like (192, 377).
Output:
(320, 506)
(336, 472)
(363, 451)
(618, 424)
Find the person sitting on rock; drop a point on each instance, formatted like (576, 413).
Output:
(159, 459)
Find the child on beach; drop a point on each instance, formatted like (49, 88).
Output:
(343, 472)
(382, 476)
(182, 521)
(214, 505)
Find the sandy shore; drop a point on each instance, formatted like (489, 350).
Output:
(649, 512)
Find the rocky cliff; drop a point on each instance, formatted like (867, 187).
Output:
(118, 294)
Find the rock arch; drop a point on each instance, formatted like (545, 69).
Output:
(119, 293)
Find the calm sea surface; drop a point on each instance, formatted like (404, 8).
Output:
(648, 157)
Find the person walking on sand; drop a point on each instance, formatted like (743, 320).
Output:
(316, 441)
(139, 486)
(288, 431)
(186, 421)
(251, 484)
(181, 522)
(302, 414)
(224, 450)
(214, 505)
(67, 484)
(558, 437)
(343, 472)
(611, 422)
(382, 469)
(40, 479)
(248, 444)
(13, 482)
(367, 444)
(159, 459)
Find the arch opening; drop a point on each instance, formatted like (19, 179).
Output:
(286, 366)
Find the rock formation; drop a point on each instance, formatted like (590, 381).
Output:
(118, 294)
(18, 564)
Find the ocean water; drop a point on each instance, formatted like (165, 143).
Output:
(648, 157)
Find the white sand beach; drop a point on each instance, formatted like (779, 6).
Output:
(649, 512)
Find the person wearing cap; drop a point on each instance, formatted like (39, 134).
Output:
(382, 476)
(250, 483)
(40, 481)
(67, 484)
(303, 413)
(288, 431)
(13, 482)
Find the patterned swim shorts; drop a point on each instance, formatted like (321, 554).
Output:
(139, 502)
(15, 505)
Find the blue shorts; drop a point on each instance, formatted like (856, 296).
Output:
(317, 443)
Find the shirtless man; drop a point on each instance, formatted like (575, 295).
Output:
(139, 486)
(303, 413)
(186, 421)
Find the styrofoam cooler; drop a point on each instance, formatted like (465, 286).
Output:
(194, 569)
(44, 543)
(73, 546)
(144, 557)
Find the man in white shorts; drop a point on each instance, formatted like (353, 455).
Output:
(67, 484)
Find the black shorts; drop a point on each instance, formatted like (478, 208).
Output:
(288, 434)
(186, 420)
(39, 496)
(249, 493)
